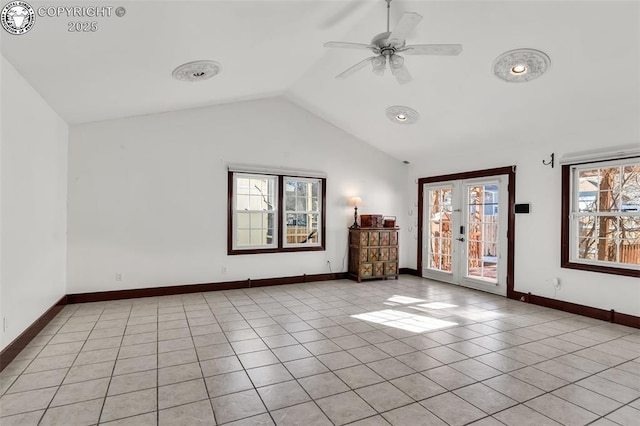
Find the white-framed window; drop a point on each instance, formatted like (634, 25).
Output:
(271, 212)
(603, 221)
(255, 210)
(303, 211)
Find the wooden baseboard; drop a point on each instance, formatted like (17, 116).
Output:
(409, 271)
(574, 308)
(197, 288)
(19, 343)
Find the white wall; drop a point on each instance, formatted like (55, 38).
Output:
(148, 195)
(537, 235)
(33, 202)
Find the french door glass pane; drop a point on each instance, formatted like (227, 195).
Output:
(482, 232)
(440, 235)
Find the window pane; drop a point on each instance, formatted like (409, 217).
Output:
(629, 227)
(254, 215)
(607, 250)
(609, 189)
(290, 203)
(258, 237)
(301, 204)
(243, 238)
(313, 221)
(300, 226)
(243, 221)
(630, 251)
(242, 201)
(303, 189)
(587, 226)
(290, 187)
(629, 240)
(587, 190)
(587, 248)
(255, 202)
(630, 198)
(243, 185)
(257, 220)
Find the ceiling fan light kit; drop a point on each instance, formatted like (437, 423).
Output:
(521, 65)
(402, 114)
(197, 71)
(388, 44)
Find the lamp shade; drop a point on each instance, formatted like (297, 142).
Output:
(355, 201)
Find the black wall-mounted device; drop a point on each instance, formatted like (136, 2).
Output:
(521, 208)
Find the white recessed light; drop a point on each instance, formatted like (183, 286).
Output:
(402, 114)
(197, 71)
(521, 65)
(518, 69)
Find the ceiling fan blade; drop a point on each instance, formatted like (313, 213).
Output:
(399, 71)
(432, 49)
(402, 74)
(346, 73)
(407, 23)
(347, 45)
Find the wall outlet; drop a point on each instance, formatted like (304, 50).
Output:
(223, 269)
(555, 281)
(118, 276)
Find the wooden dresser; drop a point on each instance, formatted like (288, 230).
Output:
(373, 253)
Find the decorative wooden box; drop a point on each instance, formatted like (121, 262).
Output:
(371, 221)
(373, 253)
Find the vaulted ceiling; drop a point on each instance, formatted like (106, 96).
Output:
(275, 48)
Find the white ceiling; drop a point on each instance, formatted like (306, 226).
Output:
(271, 48)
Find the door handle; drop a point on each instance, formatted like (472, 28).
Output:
(460, 239)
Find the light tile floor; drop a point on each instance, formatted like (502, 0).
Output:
(407, 352)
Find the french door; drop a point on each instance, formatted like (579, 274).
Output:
(465, 232)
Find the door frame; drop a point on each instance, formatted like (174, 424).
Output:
(510, 171)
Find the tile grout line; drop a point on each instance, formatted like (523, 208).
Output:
(44, 413)
(395, 338)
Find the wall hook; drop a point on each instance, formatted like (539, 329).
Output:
(551, 162)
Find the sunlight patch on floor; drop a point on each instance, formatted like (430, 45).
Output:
(404, 320)
(438, 305)
(404, 299)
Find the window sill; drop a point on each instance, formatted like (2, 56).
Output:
(274, 250)
(612, 270)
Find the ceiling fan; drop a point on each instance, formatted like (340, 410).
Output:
(387, 45)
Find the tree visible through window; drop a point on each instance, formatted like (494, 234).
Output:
(604, 220)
